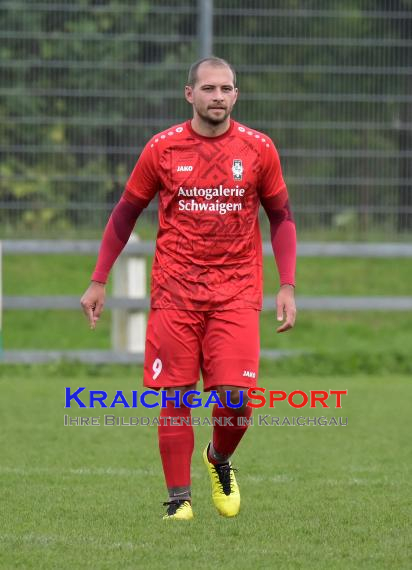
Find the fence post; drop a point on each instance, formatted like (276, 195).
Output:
(129, 280)
(205, 28)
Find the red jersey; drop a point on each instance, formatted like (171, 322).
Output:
(208, 248)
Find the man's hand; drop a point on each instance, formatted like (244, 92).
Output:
(286, 307)
(92, 302)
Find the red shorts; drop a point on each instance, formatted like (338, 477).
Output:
(224, 345)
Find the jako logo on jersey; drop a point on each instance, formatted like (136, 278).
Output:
(184, 168)
(237, 169)
(249, 374)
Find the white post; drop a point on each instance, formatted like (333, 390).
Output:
(129, 280)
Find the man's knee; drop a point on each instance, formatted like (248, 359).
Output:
(233, 396)
(179, 392)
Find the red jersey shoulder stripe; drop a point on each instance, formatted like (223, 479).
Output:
(164, 138)
(252, 134)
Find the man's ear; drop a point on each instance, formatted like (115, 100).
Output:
(189, 94)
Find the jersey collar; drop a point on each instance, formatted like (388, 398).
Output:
(210, 139)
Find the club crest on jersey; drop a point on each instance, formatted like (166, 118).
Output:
(237, 169)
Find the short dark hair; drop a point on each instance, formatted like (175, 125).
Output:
(214, 61)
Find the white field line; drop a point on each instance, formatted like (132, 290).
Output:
(53, 540)
(278, 479)
(363, 468)
(121, 472)
(81, 471)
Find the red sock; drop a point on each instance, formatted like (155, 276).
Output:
(176, 444)
(227, 437)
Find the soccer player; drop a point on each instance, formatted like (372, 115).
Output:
(211, 175)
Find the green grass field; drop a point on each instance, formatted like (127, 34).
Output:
(312, 497)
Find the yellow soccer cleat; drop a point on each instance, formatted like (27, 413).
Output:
(225, 490)
(178, 511)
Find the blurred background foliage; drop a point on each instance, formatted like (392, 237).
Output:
(84, 84)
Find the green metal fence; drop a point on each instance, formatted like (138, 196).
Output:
(84, 84)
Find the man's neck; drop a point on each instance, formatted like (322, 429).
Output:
(207, 130)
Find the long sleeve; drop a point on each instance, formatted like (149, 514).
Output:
(283, 235)
(116, 234)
